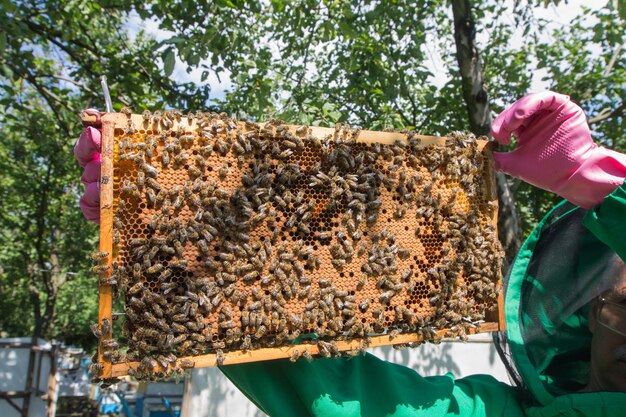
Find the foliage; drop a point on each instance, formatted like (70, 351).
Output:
(53, 54)
(361, 61)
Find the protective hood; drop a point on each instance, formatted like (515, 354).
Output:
(560, 268)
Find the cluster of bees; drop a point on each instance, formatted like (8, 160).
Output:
(232, 235)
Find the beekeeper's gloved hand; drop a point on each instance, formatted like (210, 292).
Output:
(555, 150)
(87, 152)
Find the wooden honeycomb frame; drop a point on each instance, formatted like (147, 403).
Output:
(113, 126)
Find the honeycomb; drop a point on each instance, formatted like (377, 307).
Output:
(236, 236)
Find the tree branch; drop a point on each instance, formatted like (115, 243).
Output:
(51, 35)
(608, 114)
(69, 80)
(612, 61)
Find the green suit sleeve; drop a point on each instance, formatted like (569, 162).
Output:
(369, 387)
(607, 221)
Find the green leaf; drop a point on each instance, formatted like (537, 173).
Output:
(7, 71)
(250, 63)
(334, 115)
(8, 6)
(621, 9)
(3, 41)
(169, 60)
(193, 60)
(176, 40)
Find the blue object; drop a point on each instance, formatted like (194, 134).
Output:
(109, 408)
(161, 413)
(139, 402)
(125, 406)
(170, 410)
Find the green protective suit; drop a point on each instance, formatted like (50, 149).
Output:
(548, 342)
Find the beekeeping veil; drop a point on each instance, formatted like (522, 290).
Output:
(560, 268)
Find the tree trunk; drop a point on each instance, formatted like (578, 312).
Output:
(477, 102)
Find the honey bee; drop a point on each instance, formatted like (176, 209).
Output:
(135, 288)
(146, 333)
(260, 332)
(156, 268)
(224, 170)
(152, 183)
(95, 369)
(137, 304)
(222, 146)
(105, 326)
(338, 263)
(166, 122)
(186, 140)
(186, 363)
(194, 172)
(98, 269)
(181, 158)
(178, 328)
(219, 357)
(127, 186)
(96, 256)
(146, 115)
(406, 274)
(96, 330)
(168, 287)
(250, 276)
(178, 263)
(386, 296)
(137, 269)
(393, 334)
(302, 130)
(165, 158)
(109, 344)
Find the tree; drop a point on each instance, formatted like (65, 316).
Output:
(304, 61)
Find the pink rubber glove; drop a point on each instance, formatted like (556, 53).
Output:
(88, 146)
(90, 202)
(555, 150)
(87, 153)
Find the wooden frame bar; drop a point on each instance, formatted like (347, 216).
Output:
(105, 308)
(265, 354)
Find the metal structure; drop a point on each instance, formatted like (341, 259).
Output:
(20, 398)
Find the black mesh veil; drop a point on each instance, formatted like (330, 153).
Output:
(558, 271)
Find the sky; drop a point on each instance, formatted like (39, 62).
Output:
(558, 15)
